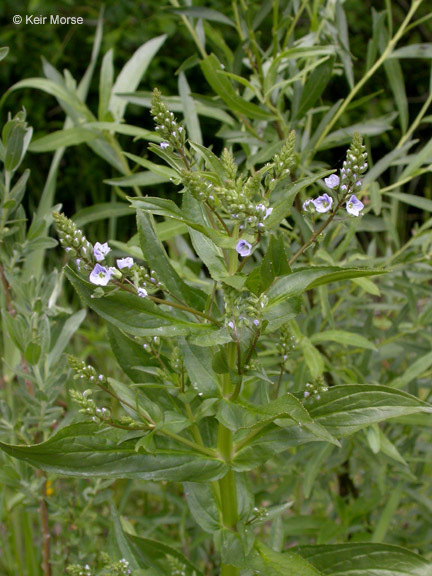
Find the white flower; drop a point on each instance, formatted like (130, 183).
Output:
(142, 292)
(332, 181)
(267, 213)
(164, 145)
(354, 206)
(100, 275)
(100, 251)
(125, 263)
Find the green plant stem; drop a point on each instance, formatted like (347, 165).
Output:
(190, 443)
(392, 43)
(185, 308)
(316, 233)
(227, 484)
(416, 122)
(192, 32)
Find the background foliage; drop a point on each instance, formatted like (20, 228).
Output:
(377, 487)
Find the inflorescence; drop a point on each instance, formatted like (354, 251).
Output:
(345, 186)
(91, 260)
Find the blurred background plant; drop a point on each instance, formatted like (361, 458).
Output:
(311, 65)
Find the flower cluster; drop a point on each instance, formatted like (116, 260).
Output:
(287, 342)
(285, 159)
(244, 309)
(89, 407)
(316, 389)
(73, 240)
(172, 134)
(345, 186)
(110, 568)
(91, 259)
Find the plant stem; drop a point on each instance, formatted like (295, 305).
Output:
(227, 484)
(316, 233)
(392, 43)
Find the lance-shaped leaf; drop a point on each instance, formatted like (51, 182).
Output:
(240, 416)
(158, 260)
(223, 88)
(198, 364)
(86, 450)
(138, 316)
(146, 552)
(342, 410)
(346, 409)
(364, 560)
(267, 562)
(303, 279)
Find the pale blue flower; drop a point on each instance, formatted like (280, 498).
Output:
(164, 145)
(332, 181)
(78, 264)
(100, 275)
(142, 292)
(100, 251)
(125, 262)
(354, 206)
(244, 248)
(323, 203)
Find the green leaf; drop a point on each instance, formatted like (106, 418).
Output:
(416, 369)
(131, 74)
(158, 260)
(205, 14)
(416, 201)
(189, 110)
(204, 107)
(155, 554)
(52, 88)
(32, 353)
(223, 87)
(84, 450)
(4, 52)
(130, 355)
(126, 129)
(69, 328)
(62, 139)
(267, 562)
(345, 409)
(137, 316)
(274, 263)
(167, 208)
(314, 87)
(105, 83)
(373, 127)
(125, 550)
(101, 211)
(137, 179)
(342, 337)
(413, 51)
(396, 80)
(198, 364)
(303, 279)
(313, 358)
(155, 168)
(203, 506)
(283, 207)
(365, 560)
(236, 416)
